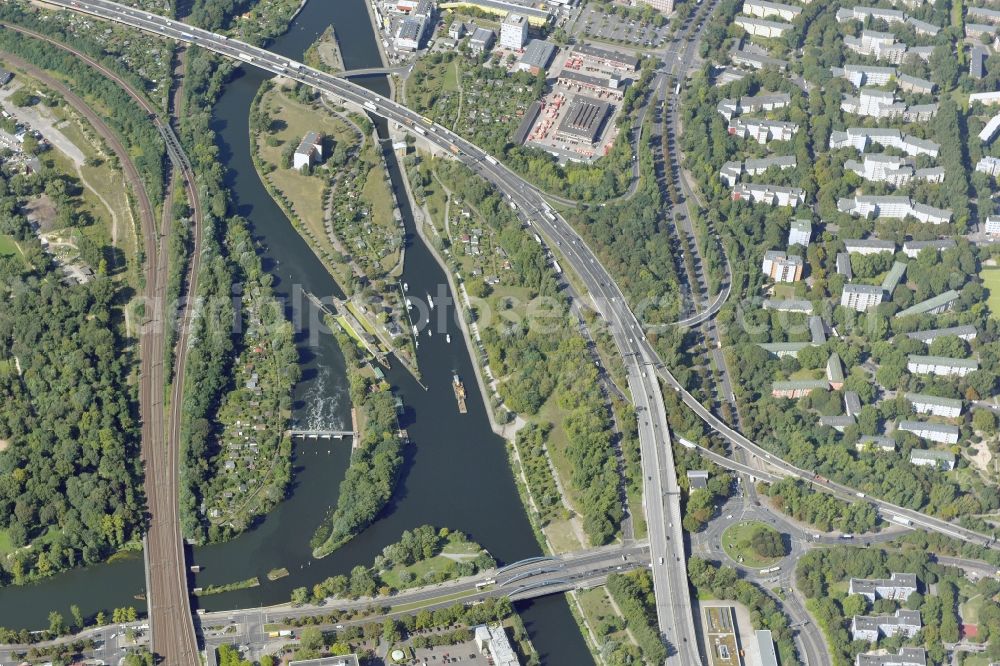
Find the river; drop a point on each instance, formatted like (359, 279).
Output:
(456, 472)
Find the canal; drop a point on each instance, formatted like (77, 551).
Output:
(456, 472)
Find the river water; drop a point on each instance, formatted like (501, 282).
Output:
(456, 472)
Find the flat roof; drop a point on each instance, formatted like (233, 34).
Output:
(584, 118)
(607, 54)
(925, 399)
(765, 646)
(944, 360)
(538, 53)
(932, 333)
(526, 123)
(930, 303)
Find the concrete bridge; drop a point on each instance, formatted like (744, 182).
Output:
(402, 70)
(321, 434)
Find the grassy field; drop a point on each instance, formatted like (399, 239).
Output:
(806, 373)
(736, 543)
(597, 610)
(991, 280)
(8, 246)
(561, 535)
(304, 192)
(970, 609)
(377, 193)
(5, 544)
(443, 563)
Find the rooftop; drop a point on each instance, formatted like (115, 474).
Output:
(585, 118)
(930, 304)
(944, 360)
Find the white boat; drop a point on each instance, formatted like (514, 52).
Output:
(415, 331)
(409, 304)
(406, 287)
(447, 337)
(430, 301)
(417, 342)
(429, 332)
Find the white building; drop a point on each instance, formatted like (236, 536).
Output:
(514, 32)
(493, 643)
(989, 165)
(864, 13)
(868, 246)
(987, 98)
(780, 267)
(989, 132)
(747, 104)
(896, 171)
(860, 138)
(309, 152)
(870, 628)
(898, 587)
(893, 207)
(941, 365)
(879, 45)
(861, 297)
(935, 406)
(993, 224)
(762, 131)
(762, 27)
(800, 232)
(913, 248)
(764, 9)
(933, 458)
(908, 656)
(915, 84)
(865, 75)
(775, 195)
(965, 332)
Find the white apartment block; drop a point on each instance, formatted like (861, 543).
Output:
(762, 131)
(879, 45)
(964, 332)
(800, 232)
(932, 457)
(913, 248)
(897, 587)
(987, 98)
(861, 297)
(860, 138)
(892, 207)
(864, 13)
(780, 267)
(941, 365)
(662, 6)
(514, 32)
(762, 27)
(989, 132)
(896, 171)
(992, 224)
(941, 433)
(875, 103)
(747, 104)
(908, 656)
(774, 195)
(923, 28)
(865, 75)
(931, 404)
(983, 14)
(731, 172)
(764, 9)
(915, 84)
(989, 165)
(870, 628)
(868, 246)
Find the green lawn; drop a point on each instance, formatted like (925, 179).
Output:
(970, 609)
(8, 246)
(597, 610)
(5, 544)
(736, 543)
(805, 373)
(991, 280)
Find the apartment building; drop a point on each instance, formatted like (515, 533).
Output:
(764, 9)
(992, 225)
(876, 443)
(754, 60)
(868, 246)
(989, 165)
(762, 27)
(861, 297)
(798, 388)
(835, 371)
(941, 366)
(896, 171)
(871, 628)
(844, 265)
(514, 32)
(931, 458)
(935, 305)
(913, 248)
(783, 349)
(879, 45)
(898, 587)
(780, 267)
(914, 84)
(775, 195)
(865, 75)
(931, 404)
(860, 138)
(893, 207)
(852, 403)
(864, 13)
(923, 28)
(908, 656)
(967, 333)
(731, 172)
(800, 232)
(762, 131)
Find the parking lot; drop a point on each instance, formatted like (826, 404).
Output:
(595, 24)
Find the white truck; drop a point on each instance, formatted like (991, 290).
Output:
(246, 58)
